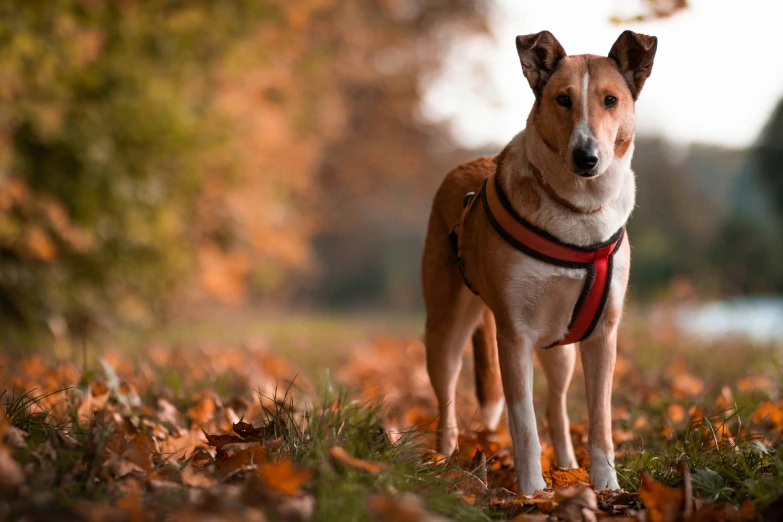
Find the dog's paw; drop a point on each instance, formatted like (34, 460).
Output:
(530, 484)
(447, 441)
(602, 472)
(491, 414)
(605, 480)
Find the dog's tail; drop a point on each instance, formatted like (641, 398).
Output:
(489, 388)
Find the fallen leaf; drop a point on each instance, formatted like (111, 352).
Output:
(576, 503)
(140, 450)
(130, 502)
(11, 474)
(754, 383)
(375, 468)
(404, 508)
(562, 477)
(191, 476)
(664, 504)
(769, 414)
(248, 432)
(675, 413)
(219, 441)
(686, 385)
(232, 457)
(479, 466)
(542, 499)
(464, 482)
(202, 412)
(284, 476)
(725, 400)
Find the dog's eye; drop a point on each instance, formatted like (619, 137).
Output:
(610, 101)
(564, 100)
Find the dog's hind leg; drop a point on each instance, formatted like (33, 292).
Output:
(558, 364)
(447, 333)
(489, 387)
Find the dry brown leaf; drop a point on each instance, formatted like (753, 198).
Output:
(725, 399)
(620, 436)
(404, 508)
(686, 385)
(754, 383)
(284, 476)
(248, 432)
(182, 444)
(375, 468)
(130, 502)
(479, 467)
(675, 413)
(542, 499)
(530, 517)
(140, 451)
(664, 504)
(464, 481)
(769, 414)
(11, 474)
(640, 423)
(202, 412)
(197, 479)
(562, 477)
(576, 503)
(232, 457)
(221, 440)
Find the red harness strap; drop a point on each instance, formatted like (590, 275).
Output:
(539, 244)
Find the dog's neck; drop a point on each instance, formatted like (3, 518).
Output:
(577, 211)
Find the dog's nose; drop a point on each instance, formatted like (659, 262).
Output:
(585, 158)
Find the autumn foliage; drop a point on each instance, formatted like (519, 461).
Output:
(233, 432)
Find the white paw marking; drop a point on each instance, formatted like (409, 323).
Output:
(491, 414)
(602, 472)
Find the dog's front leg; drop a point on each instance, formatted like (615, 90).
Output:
(516, 367)
(598, 358)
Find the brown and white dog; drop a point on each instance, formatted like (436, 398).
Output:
(569, 175)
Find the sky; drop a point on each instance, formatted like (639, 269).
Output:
(717, 76)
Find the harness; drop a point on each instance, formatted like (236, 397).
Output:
(596, 260)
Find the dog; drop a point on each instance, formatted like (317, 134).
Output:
(527, 251)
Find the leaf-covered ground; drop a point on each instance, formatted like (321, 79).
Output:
(225, 432)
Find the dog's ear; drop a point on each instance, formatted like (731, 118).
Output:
(539, 54)
(634, 54)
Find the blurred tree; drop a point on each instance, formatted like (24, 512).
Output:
(145, 146)
(109, 125)
(768, 156)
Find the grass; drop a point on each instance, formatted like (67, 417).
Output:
(341, 491)
(305, 434)
(731, 470)
(25, 412)
(726, 459)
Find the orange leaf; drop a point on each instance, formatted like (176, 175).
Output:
(675, 413)
(374, 468)
(725, 400)
(202, 412)
(192, 477)
(664, 504)
(140, 451)
(232, 457)
(769, 414)
(562, 477)
(754, 383)
(686, 385)
(284, 476)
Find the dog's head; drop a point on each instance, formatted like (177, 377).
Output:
(584, 108)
